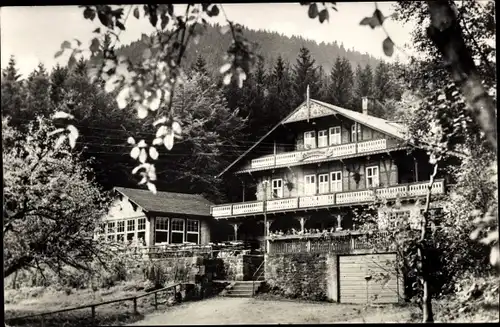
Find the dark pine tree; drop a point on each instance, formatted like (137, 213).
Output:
(341, 83)
(200, 66)
(363, 87)
(58, 79)
(304, 74)
(13, 95)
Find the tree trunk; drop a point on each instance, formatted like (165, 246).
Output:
(427, 313)
(446, 34)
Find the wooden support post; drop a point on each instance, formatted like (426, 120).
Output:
(416, 169)
(135, 306)
(42, 320)
(275, 152)
(339, 222)
(156, 300)
(236, 226)
(243, 182)
(93, 315)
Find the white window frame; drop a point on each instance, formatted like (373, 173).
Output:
(178, 231)
(163, 230)
(335, 133)
(323, 186)
(355, 136)
(322, 138)
(133, 231)
(277, 191)
(197, 233)
(122, 232)
(311, 136)
(375, 177)
(308, 189)
(141, 222)
(336, 184)
(111, 231)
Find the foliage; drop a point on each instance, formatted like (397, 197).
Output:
(341, 84)
(51, 205)
(305, 75)
(445, 107)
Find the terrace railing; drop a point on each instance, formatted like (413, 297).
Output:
(328, 200)
(341, 244)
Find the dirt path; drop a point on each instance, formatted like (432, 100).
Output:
(222, 310)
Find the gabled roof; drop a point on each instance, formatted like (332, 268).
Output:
(167, 202)
(382, 125)
(378, 124)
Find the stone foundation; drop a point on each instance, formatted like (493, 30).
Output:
(303, 275)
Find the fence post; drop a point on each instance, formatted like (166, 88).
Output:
(43, 320)
(156, 300)
(93, 315)
(135, 305)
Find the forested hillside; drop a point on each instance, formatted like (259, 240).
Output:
(213, 45)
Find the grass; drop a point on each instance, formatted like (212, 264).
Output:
(33, 300)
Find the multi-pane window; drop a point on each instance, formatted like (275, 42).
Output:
(323, 183)
(120, 230)
(130, 230)
(322, 138)
(193, 231)
(161, 230)
(336, 181)
(310, 140)
(125, 230)
(277, 188)
(372, 176)
(177, 231)
(110, 231)
(335, 135)
(310, 184)
(355, 137)
(141, 229)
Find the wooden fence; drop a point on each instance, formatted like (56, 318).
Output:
(329, 244)
(93, 306)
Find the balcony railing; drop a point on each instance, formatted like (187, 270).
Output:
(318, 153)
(330, 199)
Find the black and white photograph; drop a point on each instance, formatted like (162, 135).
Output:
(249, 163)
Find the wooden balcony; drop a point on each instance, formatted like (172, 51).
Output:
(327, 200)
(311, 155)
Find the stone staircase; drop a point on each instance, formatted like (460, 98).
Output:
(242, 288)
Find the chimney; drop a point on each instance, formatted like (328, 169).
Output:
(365, 101)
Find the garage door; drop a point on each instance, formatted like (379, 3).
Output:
(368, 278)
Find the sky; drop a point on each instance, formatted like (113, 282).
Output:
(37, 41)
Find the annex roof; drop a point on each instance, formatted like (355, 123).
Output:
(167, 202)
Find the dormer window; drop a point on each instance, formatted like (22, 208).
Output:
(310, 140)
(355, 137)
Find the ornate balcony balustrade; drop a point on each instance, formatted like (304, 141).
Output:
(318, 153)
(328, 200)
